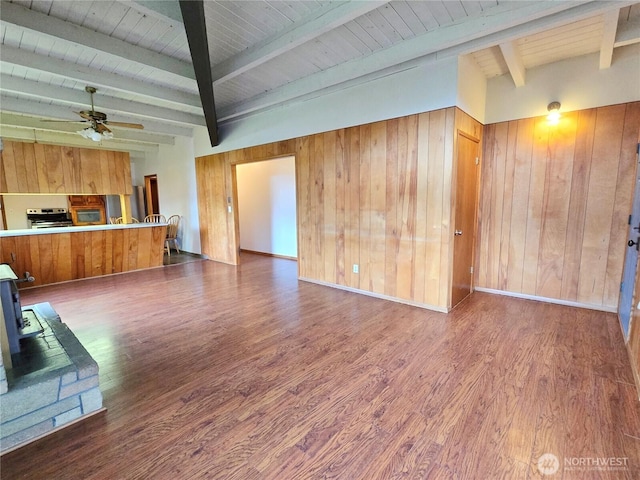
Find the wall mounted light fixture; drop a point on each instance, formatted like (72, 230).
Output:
(554, 112)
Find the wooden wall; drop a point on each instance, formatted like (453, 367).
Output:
(555, 202)
(58, 257)
(377, 195)
(215, 179)
(37, 168)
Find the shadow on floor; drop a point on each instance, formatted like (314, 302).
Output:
(182, 257)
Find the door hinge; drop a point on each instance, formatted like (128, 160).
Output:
(471, 270)
(621, 286)
(629, 222)
(477, 161)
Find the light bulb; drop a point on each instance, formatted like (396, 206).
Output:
(86, 133)
(554, 113)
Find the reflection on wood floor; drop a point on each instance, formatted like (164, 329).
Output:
(212, 371)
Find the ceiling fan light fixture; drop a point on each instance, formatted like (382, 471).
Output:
(92, 134)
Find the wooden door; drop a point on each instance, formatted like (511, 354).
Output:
(627, 297)
(466, 185)
(3, 218)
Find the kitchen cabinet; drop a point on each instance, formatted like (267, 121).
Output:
(86, 200)
(53, 169)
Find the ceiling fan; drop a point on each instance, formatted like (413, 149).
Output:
(99, 125)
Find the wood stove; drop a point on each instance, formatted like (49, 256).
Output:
(19, 323)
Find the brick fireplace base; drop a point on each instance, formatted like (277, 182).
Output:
(53, 382)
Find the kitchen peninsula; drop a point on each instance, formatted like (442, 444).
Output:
(55, 255)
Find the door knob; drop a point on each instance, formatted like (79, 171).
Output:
(457, 233)
(631, 243)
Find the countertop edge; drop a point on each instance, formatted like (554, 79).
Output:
(86, 228)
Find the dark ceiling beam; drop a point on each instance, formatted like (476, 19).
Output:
(196, 28)
(165, 10)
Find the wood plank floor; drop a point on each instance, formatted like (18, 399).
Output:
(209, 371)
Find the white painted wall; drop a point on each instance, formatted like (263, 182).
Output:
(418, 89)
(175, 167)
(267, 206)
(576, 83)
(472, 88)
(16, 207)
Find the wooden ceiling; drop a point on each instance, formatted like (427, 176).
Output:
(263, 54)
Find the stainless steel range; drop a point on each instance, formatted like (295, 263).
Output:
(48, 218)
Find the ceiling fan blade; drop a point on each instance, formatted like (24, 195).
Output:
(64, 121)
(101, 128)
(124, 124)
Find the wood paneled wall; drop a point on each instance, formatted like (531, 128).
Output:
(555, 203)
(215, 177)
(377, 195)
(38, 168)
(58, 257)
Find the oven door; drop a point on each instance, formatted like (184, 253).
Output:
(88, 216)
(41, 224)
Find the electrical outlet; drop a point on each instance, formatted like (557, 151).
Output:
(355, 268)
(229, 208)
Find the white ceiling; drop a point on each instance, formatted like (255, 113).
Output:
(263, 54)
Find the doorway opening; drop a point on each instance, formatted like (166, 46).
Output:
(151, 189)
(267, 213)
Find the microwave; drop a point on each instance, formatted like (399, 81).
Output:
(88, 216)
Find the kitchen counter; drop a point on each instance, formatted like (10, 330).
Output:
(85, 228)
(60, 254)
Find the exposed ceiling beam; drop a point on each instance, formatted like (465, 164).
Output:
(628, 33)
(72, 140)
(81, 100)
(25, 121)
(90, 76)
(317, 23)
(514, 62)
(30, 107)
(34, 21)
(609, 29)
(196, 28)
(496, 25)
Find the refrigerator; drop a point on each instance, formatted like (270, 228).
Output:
(138, 209)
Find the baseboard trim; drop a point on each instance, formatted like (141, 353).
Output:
(537, 298)
(265, 254)
(381, 296)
